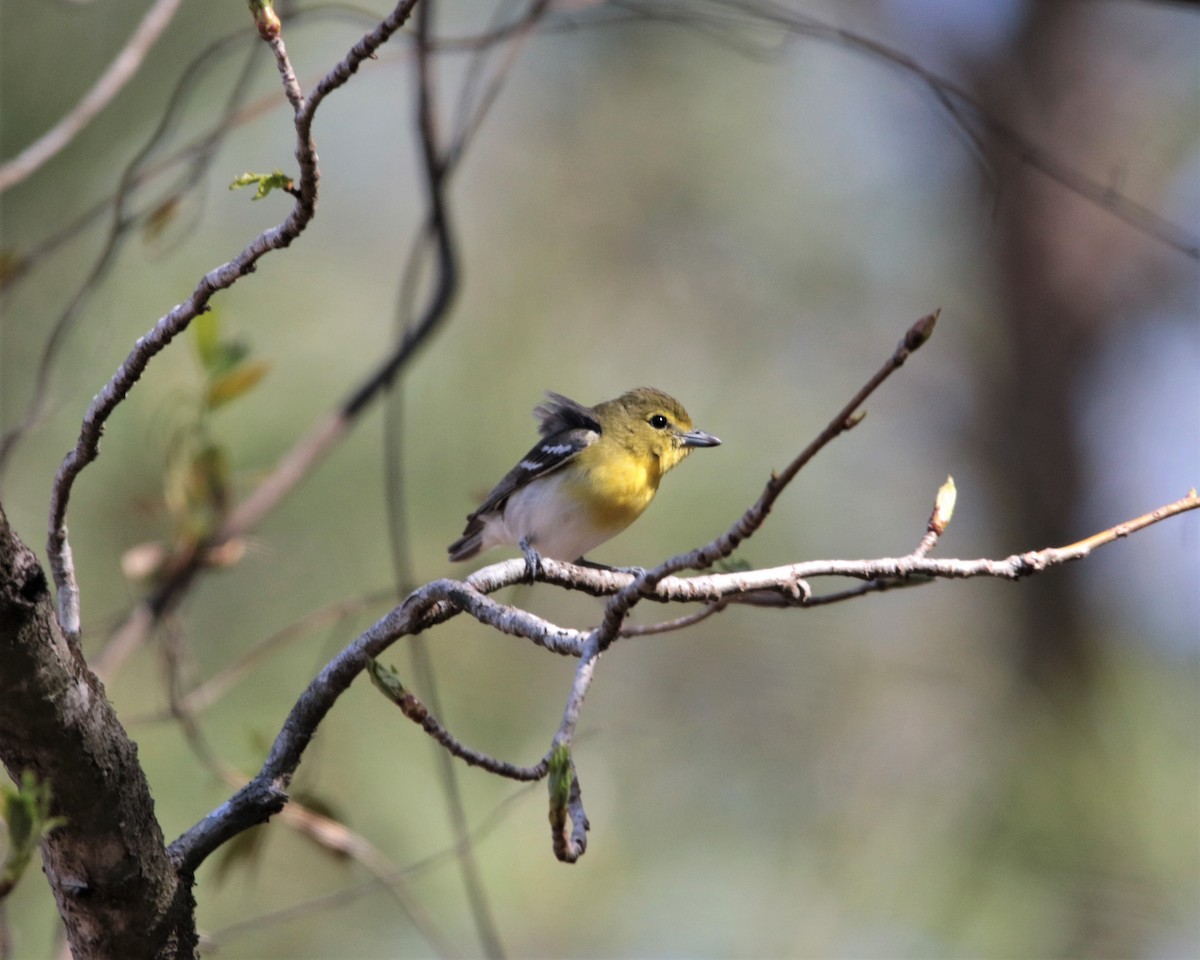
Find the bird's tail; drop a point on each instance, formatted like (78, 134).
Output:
(469, 544)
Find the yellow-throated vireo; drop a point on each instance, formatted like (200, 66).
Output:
(593, 473)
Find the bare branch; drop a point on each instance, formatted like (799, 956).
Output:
(194, 153)
(123, 220)
(939, 519)
(675, 623)
(307, 907)
(326, 832)
(335, 836)
(388, 682)
(784, 580)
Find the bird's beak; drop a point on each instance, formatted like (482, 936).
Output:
(698, 438)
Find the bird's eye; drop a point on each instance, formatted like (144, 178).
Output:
(659, 422)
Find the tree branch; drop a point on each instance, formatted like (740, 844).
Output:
(391, 686)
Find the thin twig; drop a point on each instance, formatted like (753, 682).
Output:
(335, 836)
(193, 152)
(329, 834)
(939, 519)
(122, 221)
(411, 706)
(211, 690)
(675, 623)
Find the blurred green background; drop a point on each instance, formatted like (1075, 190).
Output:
(701, 198)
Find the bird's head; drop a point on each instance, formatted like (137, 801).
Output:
(652, 424)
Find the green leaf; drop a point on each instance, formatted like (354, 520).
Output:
(206, 332)
(225, 356)
(732, 565)
(560, 781)
(238, 381)
(387, 681)
(26, 812)
(266, 182)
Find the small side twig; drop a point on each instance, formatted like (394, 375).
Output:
(675, 623)
(389, 683)
(939, 519)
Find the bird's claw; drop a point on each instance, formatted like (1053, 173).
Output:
(533, 560)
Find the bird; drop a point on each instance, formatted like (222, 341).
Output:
(592, 474)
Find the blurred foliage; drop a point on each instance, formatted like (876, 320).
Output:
(25, 812)
(197, 476)
(748, 220)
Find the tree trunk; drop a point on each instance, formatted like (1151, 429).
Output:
(118, 892)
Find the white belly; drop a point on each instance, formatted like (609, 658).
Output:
(567, 535)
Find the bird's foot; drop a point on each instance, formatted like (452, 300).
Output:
(533, 560)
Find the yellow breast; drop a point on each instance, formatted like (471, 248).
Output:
(616, 489)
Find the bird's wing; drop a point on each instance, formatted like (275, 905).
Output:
(561, 414)
(553, 452)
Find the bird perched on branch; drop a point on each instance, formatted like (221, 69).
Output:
(593, 473)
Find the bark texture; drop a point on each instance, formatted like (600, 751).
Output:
(118, 892)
